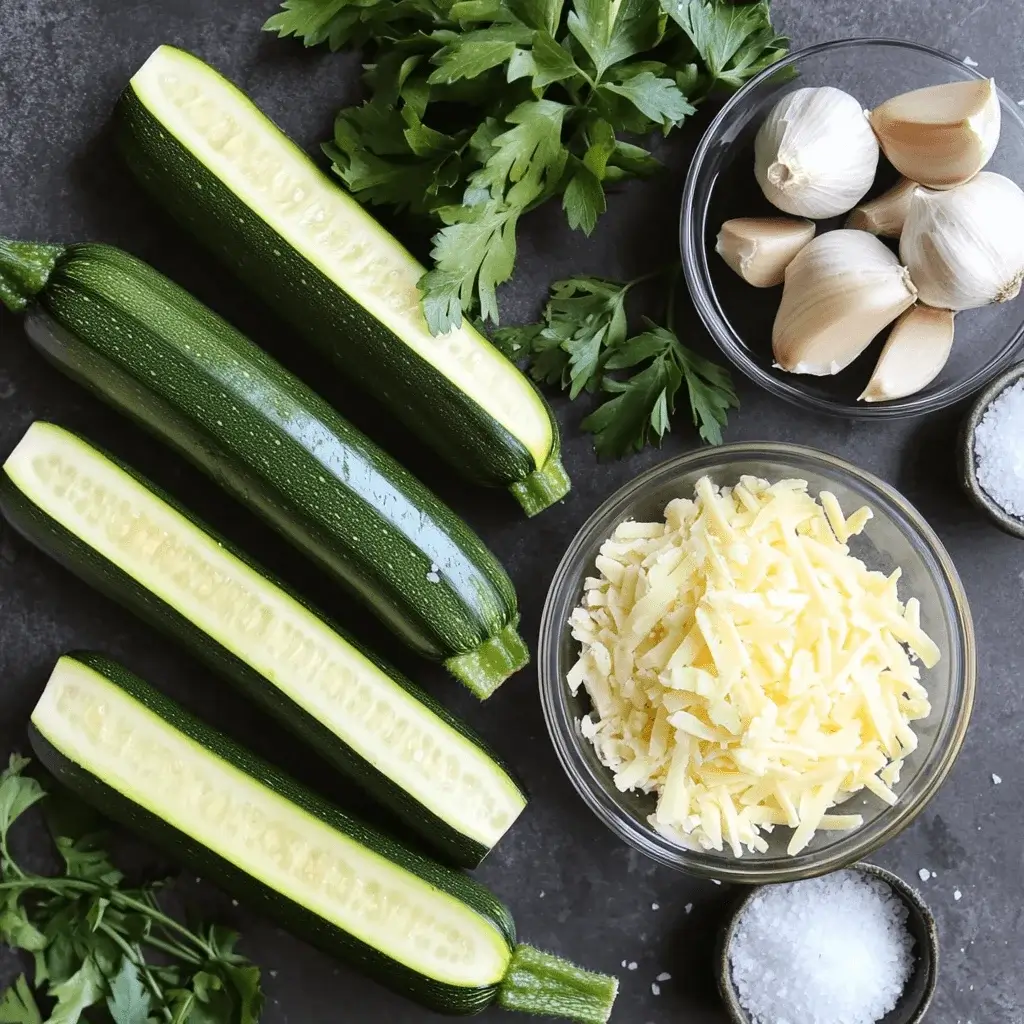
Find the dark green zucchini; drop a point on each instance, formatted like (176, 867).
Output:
(114, 529)
(310, 250)
(150, 349)
(425, 931)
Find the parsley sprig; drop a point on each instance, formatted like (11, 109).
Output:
(583, 344)
(91, 937)
(479, 111)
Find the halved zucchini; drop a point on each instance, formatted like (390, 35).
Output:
(115, 530)
(312, 252)
(426, 932)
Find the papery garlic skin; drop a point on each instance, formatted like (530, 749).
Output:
(760, 248)
(965, 246)
(842, 289)
(943, 135)
(815, 155)
(914, 354)
(886, 214)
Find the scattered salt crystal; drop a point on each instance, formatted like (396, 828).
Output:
(655, 988)
(624, 962)
(432, 577)
(688, 907)
(970, 63)
(542, 894)
(631, 966)
(924, 874)
(273, 973)
(824, 950)
(715, 881)
(957, 894)
(664, 976)
(999, 450)
(996, 779)
(655, 906)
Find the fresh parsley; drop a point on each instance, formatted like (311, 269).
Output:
(583, 343)
(479, 111)
(90, 935)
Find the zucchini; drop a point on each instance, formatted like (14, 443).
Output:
(425, 931)
(150, 349)
(205, 151)
(115, 530)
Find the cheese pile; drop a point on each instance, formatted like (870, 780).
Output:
(744, 666)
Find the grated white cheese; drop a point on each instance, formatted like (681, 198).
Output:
(746, 668)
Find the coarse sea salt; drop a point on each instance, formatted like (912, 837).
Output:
(831, 950)
(999, 450)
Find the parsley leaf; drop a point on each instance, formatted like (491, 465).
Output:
(735, 41)
(582, 344)
(128, 1002)
(18, 1005)
(611, 31)
(659, 99)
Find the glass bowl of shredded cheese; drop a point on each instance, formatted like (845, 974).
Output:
(757, 663)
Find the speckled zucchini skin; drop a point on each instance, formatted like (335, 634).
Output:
(149, 348)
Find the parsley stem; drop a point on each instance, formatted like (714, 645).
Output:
(134, 956)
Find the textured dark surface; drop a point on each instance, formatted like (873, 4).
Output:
(573, 887)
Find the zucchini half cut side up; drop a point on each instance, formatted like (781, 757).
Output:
(426, 932)
(228, 173)
(115, 530)
(150, 349)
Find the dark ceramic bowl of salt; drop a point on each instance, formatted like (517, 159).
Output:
(1006, 521)
(919, 989)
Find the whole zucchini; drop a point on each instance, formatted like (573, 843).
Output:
(152, 350)
(424, 931)
(208, 154)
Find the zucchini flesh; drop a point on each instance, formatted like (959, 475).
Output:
(150, 349)
(426, 932)
(112, 528)
(207, 152)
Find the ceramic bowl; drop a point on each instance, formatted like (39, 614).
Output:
(917, 995)
(1011, 524)
(897, 536)
(720, 185)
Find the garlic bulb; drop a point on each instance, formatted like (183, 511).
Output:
(841, 290)
(887, 214)
(760, 248)
(914, 354)
(965, 247)
(941, 136)
(815, 155)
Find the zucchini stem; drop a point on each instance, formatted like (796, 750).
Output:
(484, 669)
(548, 986)
(25, 269)
(543, 487)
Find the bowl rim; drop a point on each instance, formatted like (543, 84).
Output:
(560, 723)
(926, 959)
(696, 269)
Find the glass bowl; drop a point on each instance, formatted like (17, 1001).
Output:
(896, 536)
(720, 185)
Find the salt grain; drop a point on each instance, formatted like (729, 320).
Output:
(823, 951)
(655, 906)
(924, 874)
(655, 988)
(688, 907)
(957, 894)
(631, 966)
(996, 780)
(999, 450)
(664, 976)
(970, 63)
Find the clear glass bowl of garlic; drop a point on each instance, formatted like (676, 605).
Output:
(721, 186)
(895, 537)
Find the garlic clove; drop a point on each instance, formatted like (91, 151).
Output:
(887, 214)
(841, 290)
(965, 246)
(760, 248)
(940, 136)
(815, 155)
(914, 354)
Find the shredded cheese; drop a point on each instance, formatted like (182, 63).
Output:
(746, 668)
